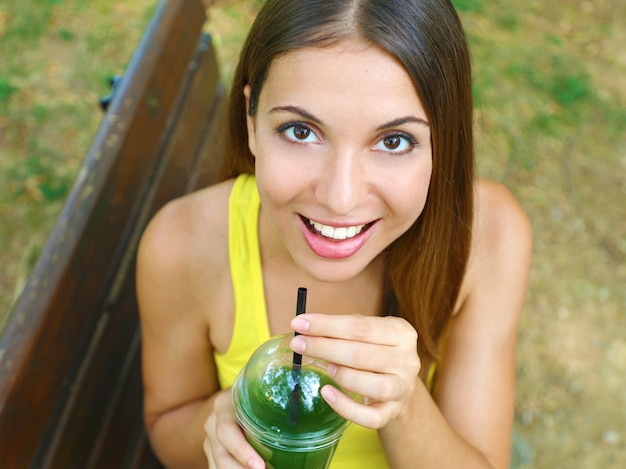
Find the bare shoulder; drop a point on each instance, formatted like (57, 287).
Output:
(479, 353)
(500, 224)
(501, 248)
(186, 230)
(185, 244)
(181, 288)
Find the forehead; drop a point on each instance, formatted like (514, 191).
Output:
(352, 76)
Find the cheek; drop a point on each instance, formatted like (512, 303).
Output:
(422, 184)
(277, 183)
(279, 170)
(411, 192)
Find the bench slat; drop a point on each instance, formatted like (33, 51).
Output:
(70, 388)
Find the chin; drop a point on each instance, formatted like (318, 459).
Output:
(333, 271)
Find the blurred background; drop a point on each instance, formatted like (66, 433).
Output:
(550, 91)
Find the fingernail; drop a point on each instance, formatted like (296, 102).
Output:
(300, 324)
(298, 344)
(254, 464)
(331, 369)
(328, 393)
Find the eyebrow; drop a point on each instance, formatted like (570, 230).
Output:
(311, 117)
(404, 120)
(297, 110)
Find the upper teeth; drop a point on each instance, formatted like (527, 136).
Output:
(342, 232)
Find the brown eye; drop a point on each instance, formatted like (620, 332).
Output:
(392, 142)
(301, 133)
(396, 143)
(297, 132)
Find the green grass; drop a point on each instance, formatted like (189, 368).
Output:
(532, 91)
(7, 89)
(469, 5)
(57, 56)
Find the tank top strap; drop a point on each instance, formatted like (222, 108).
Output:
(251, 326)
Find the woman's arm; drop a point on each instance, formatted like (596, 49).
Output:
(185, 297)
(178, 370)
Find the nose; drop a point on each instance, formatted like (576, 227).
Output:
(343, 182)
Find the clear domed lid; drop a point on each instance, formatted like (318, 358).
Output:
(273, 396)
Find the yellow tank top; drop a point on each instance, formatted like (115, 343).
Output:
(360, 447)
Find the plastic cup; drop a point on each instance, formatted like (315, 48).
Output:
(281, 411)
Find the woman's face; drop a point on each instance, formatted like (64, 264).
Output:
(343, 157)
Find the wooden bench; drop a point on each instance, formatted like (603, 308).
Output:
(70, 384)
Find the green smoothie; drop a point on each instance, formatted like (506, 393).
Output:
(282, 411)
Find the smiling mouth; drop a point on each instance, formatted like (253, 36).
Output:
(338, 233)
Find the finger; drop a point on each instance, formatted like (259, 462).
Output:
(375, 416)
(209, 454)
(225, 439)
(220, 458)
(376, 386)
(225, 460)
(360, 355)
(387, 330)
(217, 455)
(236, 447)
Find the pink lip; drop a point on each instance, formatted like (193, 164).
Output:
(332, 248)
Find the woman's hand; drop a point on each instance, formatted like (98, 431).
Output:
(375, 357)
(225, 445)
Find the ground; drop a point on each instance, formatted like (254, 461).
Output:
(550, 124)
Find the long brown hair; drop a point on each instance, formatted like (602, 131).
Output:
(426, 264)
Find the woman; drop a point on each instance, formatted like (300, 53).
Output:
(349, 171)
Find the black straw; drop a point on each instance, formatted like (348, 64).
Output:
(296, 365)
(300, 309)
